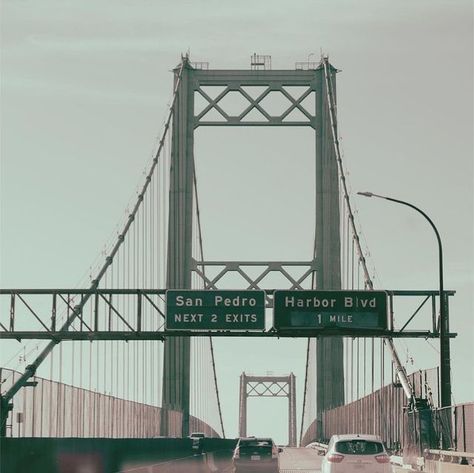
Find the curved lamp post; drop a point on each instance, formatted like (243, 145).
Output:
(444, 362)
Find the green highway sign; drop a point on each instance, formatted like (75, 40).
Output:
(330, 309)
(215, 310)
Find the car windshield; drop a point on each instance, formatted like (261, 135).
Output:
(358, 447)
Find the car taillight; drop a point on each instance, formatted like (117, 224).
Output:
(335, 458)
(237, 453)
(382, 458)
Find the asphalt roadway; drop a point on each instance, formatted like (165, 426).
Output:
(292, 460)
(301, 460)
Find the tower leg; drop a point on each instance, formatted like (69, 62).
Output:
(176, 358)
(330, 368)
(243, 406)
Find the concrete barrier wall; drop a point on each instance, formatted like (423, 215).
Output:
(61, 455)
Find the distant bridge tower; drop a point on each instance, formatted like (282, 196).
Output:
(268, 386)
(176, 367)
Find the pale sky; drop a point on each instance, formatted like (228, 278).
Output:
(84, 91)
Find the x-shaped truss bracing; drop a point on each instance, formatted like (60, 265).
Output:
(305, 118)
(307, 268)
(267, 389)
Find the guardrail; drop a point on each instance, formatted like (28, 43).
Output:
(450, 456)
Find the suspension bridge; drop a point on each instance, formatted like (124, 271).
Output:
(147, 377)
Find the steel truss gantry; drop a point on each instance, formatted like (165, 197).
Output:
(117, 314)
(268, 386)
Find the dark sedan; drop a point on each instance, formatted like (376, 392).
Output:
(256, 454)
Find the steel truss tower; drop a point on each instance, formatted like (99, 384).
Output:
(176, 368)
(268, 386)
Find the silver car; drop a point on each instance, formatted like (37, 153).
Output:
(197, 438)
(356, 453)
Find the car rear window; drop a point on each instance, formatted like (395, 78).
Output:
(358, 447)
(255, 443)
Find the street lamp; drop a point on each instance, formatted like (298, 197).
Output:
(444, 368)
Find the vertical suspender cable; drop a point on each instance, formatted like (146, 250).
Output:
(357, 371)
(365, 365)
(372, 365)
(352, 369)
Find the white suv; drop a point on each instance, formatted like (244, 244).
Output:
(356, 453)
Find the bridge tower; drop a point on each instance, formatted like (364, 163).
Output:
(192, 81)
(268, 386)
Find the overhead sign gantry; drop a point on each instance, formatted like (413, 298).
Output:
(296, 313)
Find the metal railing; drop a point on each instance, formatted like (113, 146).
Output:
(380, 413)
(454, 427)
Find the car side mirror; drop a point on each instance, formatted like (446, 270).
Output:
(280, 450)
